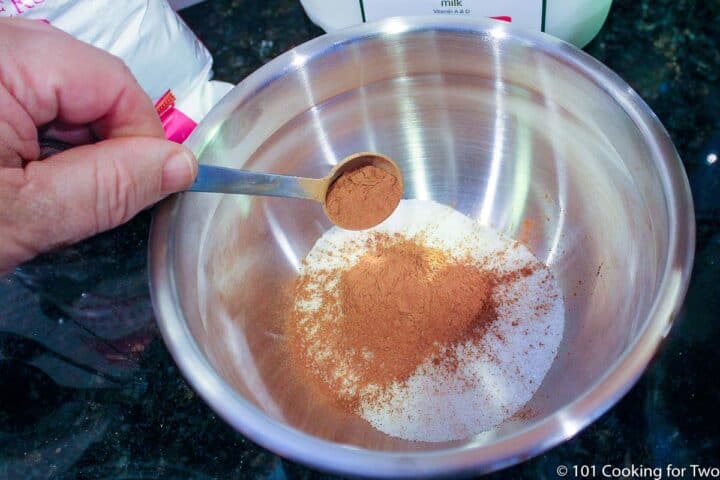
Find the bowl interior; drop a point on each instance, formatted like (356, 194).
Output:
(505, 131)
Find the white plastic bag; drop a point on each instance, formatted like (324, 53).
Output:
(180, 4)
(157, 46)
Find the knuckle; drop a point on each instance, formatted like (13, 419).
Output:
(115, 195)
(27, 208)
(119, 64)
(30, 184)
(122, 68)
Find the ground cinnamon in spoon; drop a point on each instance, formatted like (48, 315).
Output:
(363, 198)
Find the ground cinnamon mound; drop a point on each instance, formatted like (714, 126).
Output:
(363, 198)
(401, 304)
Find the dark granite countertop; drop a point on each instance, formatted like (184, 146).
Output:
(88, 389)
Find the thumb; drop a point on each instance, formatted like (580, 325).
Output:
(88, 189)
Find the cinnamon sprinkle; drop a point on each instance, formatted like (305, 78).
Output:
(400, 304)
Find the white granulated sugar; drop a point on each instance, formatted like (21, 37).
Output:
(496, 375)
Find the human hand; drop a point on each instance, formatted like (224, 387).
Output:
(78, 94)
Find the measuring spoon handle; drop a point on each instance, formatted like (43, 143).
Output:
(230, 180)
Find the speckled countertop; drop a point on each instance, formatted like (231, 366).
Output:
(88, 389)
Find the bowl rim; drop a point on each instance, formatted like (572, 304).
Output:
(564, 423)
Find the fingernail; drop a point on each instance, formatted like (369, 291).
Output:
(178, 172)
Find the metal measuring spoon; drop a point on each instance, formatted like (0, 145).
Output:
(229, 180)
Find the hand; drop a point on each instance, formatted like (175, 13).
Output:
(77, 94)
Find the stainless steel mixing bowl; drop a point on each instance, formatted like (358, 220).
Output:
(519, 131)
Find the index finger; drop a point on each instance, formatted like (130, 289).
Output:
(54, 76)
